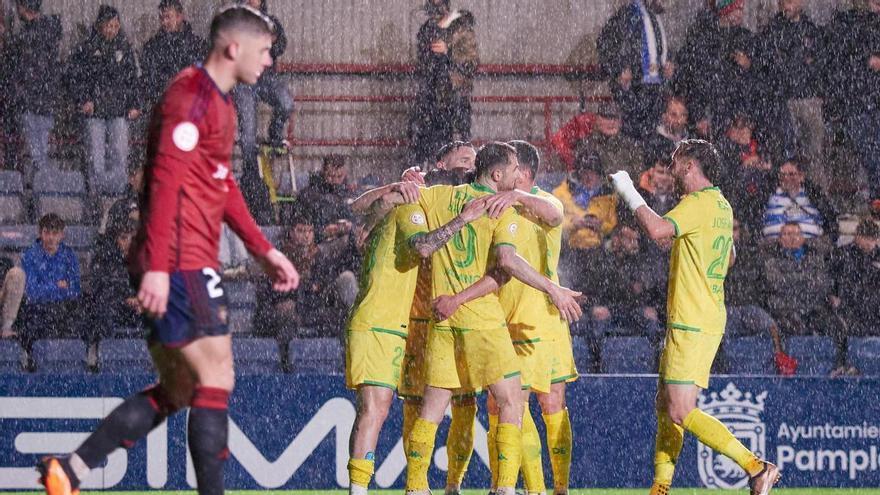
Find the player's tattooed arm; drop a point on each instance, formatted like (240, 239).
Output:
(446, 305)
(564, 299)
(426, 244)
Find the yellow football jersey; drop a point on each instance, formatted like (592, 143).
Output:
(698, 263)
(465, 258)
(421, 305)
(529, 310)
(389, 272)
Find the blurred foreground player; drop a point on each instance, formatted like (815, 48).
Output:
(702, 228)
(191, 192)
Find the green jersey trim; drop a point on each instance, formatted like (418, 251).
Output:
(392, 332)
(674, 226)
(482, 188)
(679, 326)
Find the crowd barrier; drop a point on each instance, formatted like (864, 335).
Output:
(291, 431)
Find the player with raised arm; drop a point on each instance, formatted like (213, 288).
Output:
(472, 349)
(702, 228)
(377, 329)
(190, 193)
(538, 331)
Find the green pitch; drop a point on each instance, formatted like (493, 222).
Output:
(598, 491)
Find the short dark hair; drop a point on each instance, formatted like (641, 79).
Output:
(121, 226)
(491, 156)
(797, 161)
(333, 161)
(301, 219)
(450, 148)
(51, 221)
(704, 153)
(171, 4)
(868, 228)
(240, 17)
(451, 177)
(528, 156)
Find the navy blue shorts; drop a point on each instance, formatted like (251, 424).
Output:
(196, 308)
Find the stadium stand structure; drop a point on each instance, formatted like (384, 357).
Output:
(124, 356)
(12, 203)
(321, 355)
(815, 354)
(60, 192)
(749, 355)
(60, 356)
(627, 355)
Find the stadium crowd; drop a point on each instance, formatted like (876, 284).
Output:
(794, 110)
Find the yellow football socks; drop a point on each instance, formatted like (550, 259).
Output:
(717, 437)
(360, 471)
(410, 414)
(659, 489)
(532, 470)
(667, 446)
(559, 443)
(418, 454)
(508, 440)
(460, 442)
(491, 436)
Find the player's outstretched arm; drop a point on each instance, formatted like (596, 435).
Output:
(564, 299)
(409, 193)
(446, 305)
(426, 244)
(653, 224)
(536, 206)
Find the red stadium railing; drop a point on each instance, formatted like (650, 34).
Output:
(484, 70)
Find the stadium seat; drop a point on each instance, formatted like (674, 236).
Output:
(273, 234)
(10, 356)
(59, 356)
(256, 355)
(815, 355)
(583, 354)
(124, 356)
(864, 354)
(79, 238)
(60, 192)
(240, 320)
(17, 237)
(322, 355)
(627, 355)
(749, 355)
(240, 294)
(12, 209)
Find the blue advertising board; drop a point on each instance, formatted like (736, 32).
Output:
(291, 431)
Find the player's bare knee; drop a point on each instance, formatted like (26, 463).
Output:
(677, 412)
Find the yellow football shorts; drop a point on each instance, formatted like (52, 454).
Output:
(373, 358)
(561, 355)
(534, 357)
(412, 376)
(469, 359)
(687, 357)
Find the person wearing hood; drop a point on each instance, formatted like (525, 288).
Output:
(590, 209)
(112, 299)
(32, 55)
(447, 61)
(173, 48)
(274, 90)
(104, 82)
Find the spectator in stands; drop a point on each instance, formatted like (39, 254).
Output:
(52, 285)
(171, 49)
(32, 55)
(744, 297)
(456, 155)
(747, 171)
(715, 72)
(316, 308)
(796, 200)
(856, 271)
(273, 89)
(7, 109)
(11, 293)
(104, 81)
(326, 199)
(589, 207)
(852, 65)
(127, 207)
(570, 134)
(616, 291)
(447, 59)
(789, 59)
(799, 287)
(636, 58)
(113, 301)
(659, 186)
(672, 128)
(616, 150)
